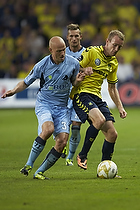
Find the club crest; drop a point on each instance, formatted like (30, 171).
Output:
(97, 62)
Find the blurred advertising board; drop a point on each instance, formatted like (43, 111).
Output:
(24, 99)
(129, 93)
(27, 98)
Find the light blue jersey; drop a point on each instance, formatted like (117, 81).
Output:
(55, 80)
(77, 55)
(53, 95)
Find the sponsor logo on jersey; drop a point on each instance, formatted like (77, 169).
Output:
(80, 58)
(50, 76)
(97, 62)
(59, 87)
(101, 73)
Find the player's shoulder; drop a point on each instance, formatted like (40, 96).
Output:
(82, 49)
(87, 49)
(114, 60)
(91, 49)
(70, 59)
(43, 61)
(68, 50)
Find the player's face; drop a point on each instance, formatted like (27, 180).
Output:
(74, 37)
(58, 54)
(113, 46)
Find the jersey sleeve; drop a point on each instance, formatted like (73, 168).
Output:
(112, 76)
(86, 57)
(75, 71)
(32, 76)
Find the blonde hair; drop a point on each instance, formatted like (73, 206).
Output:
(116, 33)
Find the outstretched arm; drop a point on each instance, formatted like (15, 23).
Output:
(18, 88)
(114, 94)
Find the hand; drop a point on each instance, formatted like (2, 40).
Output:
(88, 70)
(123, 114)
(7, 94)
(80, 76)
(19, 87)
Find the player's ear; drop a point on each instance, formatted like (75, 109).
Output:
(50, 49)
(107, 40)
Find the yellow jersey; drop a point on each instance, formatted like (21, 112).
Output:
(103, 68)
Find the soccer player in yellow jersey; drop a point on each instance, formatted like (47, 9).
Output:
(87, 100)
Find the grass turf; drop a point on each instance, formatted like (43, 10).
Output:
(69, 188)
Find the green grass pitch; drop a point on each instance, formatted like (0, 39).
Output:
(69, 188)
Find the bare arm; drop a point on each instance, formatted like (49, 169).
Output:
(81, 75)
(18, 88)
(114, 94)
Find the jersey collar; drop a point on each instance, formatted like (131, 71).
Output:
(52, 59)
(78, 50)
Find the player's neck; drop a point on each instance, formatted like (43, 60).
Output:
(76, 48)
(105, 52)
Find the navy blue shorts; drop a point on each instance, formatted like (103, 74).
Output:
(84, 102)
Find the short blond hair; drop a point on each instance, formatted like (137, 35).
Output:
(116, 33)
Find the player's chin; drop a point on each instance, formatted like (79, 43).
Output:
(74, 44)
(62, 59)
(114, 53)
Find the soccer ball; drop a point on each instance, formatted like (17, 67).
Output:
(107, 169)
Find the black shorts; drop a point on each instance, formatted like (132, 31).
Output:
(84, 102)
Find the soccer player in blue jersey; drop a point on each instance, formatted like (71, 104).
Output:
(74, 49)
(56, 72)
(87, 100)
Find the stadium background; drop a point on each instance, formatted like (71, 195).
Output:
(26, 27)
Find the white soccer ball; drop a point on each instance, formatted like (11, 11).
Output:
(107, 169)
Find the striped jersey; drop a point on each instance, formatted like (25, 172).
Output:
(103, 68)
